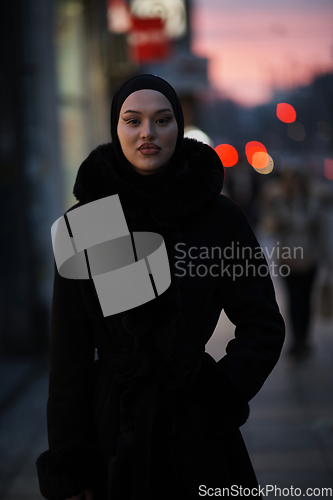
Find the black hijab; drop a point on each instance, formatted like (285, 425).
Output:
(153, 183)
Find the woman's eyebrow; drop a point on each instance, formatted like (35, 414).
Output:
(163, 110)
(139, 112)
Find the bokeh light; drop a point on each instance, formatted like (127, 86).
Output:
(285, 112)
(195, 133)
(260, 160)
(296, 131)
(228, 154)
(253, 147)
(269, 166)
(328, 169)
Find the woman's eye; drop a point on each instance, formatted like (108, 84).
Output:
(133, 122)
(163, 120)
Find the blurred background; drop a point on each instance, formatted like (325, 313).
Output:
(256, 83)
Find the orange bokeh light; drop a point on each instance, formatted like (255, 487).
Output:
(253, 147)
(270, 163)
(285, 112)
(228, 154)
(260, 160)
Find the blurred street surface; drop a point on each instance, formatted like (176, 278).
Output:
(289, 434)
(23, 437)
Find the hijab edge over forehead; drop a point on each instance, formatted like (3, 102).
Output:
(145, 82)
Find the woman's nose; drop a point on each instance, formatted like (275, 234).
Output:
(147, 130)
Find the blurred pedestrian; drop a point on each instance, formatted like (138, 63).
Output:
(296, 215)
(242, 185)
(156, 417)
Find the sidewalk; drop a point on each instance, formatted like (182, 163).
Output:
(23, 397)
(290, 431)
(289, 434)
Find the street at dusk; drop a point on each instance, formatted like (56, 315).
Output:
(141, 137)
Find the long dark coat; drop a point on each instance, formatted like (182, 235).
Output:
(143, 441)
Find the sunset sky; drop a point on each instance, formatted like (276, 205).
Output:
(256, 45)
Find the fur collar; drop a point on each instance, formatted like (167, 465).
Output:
(196, 185)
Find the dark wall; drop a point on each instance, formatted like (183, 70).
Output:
(30, 174)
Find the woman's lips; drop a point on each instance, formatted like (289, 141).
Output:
(149, 149)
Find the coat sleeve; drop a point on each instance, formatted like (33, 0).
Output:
(66, 468)
(245, 291)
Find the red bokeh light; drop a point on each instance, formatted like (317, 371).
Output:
(285, 112)
(253, 147)
(328, 169)
(228, 154)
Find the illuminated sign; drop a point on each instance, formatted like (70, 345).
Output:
(172, 11)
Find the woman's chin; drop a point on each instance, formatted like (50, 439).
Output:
(148, 168)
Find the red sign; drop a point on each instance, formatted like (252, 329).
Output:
(148, 40)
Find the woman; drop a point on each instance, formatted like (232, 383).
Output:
(155, 416)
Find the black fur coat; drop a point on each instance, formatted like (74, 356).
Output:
(155, 416)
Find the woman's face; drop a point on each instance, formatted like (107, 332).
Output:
(147, 130)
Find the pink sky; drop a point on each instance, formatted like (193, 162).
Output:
(254, 46)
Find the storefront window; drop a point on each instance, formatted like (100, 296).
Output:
(73, 89)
